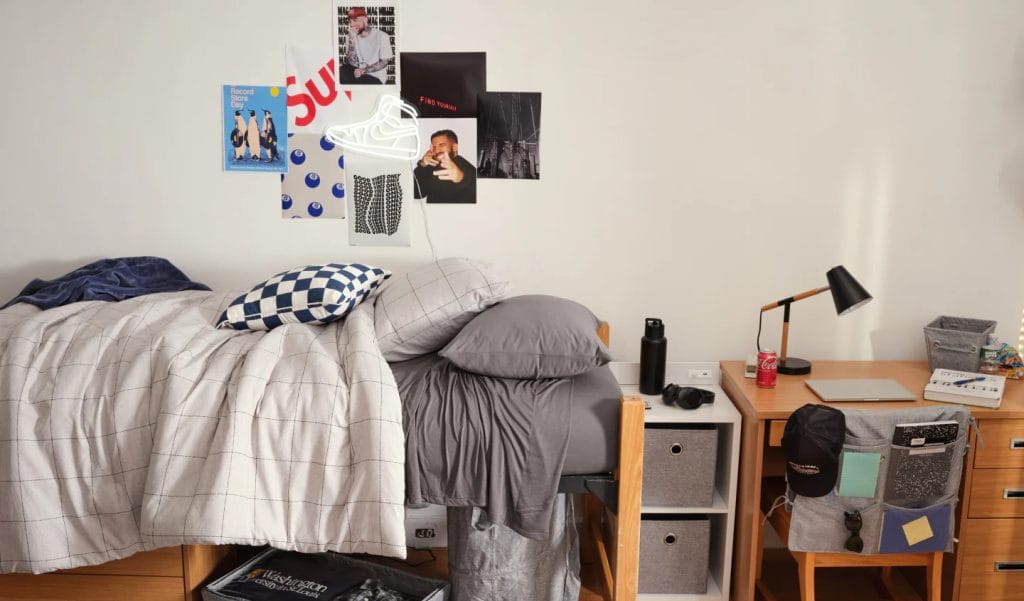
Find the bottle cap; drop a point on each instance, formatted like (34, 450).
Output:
(654, 328)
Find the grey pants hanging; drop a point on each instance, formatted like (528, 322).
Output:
(488, 562)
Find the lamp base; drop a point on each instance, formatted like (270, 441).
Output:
(792, 366)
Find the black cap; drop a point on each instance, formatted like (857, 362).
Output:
(813, 441)
(654, 328)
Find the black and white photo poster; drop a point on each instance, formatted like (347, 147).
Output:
(366, 43)
(508, 135)
(446, 170)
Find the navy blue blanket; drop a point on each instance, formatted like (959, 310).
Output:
(107, 280)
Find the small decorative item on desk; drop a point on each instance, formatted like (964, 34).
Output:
(1010, 360)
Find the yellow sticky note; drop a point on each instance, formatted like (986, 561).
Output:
(918, 530)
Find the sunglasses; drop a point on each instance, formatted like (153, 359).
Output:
(854, 523)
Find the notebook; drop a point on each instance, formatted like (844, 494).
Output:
(860, 390)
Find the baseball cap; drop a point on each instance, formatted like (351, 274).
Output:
(813, 441)
(356, 11)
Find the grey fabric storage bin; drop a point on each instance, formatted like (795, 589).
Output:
(274, 573)
(955, 342)
(679, 465)
(674, 553)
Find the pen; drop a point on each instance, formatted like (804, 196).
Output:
(968, 381)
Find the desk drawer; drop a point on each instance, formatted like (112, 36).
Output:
(997, 494)
(1004, 443)
(993, 567)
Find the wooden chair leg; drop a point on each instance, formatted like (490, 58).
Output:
(888, 584)
(805, 569)
(934, 576)
(759, 545)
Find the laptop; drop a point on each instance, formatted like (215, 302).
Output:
(860, 390)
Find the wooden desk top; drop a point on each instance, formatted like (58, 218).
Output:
(790, 393)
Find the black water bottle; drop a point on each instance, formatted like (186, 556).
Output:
(652, 357)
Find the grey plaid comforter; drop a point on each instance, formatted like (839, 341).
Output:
(135, 425)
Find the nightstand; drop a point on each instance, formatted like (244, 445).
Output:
(712, 434)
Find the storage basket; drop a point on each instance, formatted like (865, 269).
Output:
(955, 342)
(276, 575)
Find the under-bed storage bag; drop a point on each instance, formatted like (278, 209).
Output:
(908, 506)
(276, 575)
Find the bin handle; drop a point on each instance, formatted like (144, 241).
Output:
(956, 349)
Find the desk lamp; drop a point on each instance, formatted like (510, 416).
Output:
(847, 293)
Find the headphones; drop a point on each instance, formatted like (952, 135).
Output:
(686, 397)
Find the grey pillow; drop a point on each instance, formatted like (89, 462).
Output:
(530, 337)
(421, 311)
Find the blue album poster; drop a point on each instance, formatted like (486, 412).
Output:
(252, 140)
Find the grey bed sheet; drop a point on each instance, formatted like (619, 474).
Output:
(502, 444)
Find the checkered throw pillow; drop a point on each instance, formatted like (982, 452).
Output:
(311, 294)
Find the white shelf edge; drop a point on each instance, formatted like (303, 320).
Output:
(717, 506)
(714, 594)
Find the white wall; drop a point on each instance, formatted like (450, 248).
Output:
(714, 157)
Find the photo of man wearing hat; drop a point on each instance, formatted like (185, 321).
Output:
(368, 53)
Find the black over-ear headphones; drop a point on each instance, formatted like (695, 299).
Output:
(686, 397)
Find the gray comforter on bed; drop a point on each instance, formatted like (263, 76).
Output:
(477, 441)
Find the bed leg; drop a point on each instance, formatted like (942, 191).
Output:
(201, 563)
(627, 524)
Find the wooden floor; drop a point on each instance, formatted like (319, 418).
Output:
(843, 584)
(438, 568)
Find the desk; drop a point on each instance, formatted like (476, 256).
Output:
(991, 533)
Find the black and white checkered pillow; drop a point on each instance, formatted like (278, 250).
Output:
(311, 294)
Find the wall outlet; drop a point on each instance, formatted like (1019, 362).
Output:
(700, 374)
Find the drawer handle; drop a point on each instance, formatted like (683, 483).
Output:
(1013, 493)
(1017, 443)
(1010, 566)
(676, 448)
(971, 349)
(670, 539)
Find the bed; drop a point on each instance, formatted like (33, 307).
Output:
(178, 571)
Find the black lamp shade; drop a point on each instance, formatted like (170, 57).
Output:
(847, 293)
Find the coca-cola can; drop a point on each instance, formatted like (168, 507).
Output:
(767, 368)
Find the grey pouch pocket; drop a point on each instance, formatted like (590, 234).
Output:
(855, 445)
(918, 530)
(818, 524)
(922, 476)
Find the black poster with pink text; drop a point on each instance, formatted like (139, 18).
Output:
(443, 84)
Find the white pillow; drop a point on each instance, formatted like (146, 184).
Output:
(421, 311)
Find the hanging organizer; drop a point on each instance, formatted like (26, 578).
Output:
(909, 505)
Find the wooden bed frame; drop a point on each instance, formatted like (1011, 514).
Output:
(611, 535)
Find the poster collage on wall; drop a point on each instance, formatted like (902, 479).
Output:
(318, 130)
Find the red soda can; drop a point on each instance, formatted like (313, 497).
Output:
(767, 368)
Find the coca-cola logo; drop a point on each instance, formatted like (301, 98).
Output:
(769, 363)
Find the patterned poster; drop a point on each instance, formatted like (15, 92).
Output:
(366, 43)
(508, 132)
(379, 197)
(252, 140)
(314, 186)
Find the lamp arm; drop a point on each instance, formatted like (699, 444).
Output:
(786, 302)
(794, 298)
